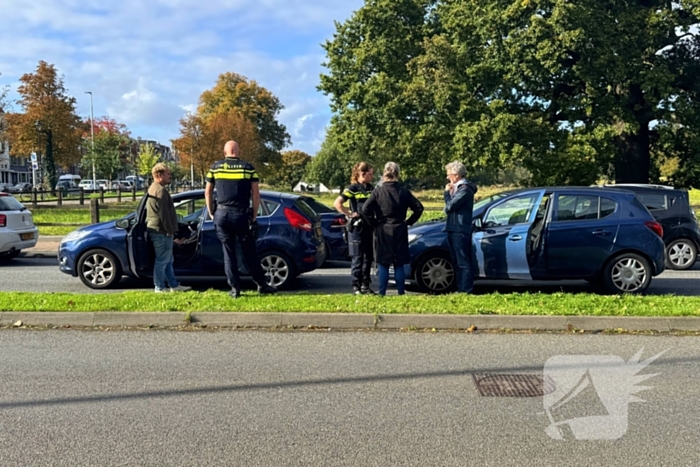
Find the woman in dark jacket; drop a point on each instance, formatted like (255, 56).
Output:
(385, 210)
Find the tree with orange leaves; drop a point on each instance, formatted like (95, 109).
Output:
(201, 141)
(49, 121)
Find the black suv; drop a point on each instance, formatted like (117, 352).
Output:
(671, 208)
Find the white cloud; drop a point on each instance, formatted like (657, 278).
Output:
(147, 62)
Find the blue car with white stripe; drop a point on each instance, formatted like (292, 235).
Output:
(605, 236)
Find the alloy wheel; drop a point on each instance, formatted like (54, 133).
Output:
(276, 269)
(681, 255)
(98, 269)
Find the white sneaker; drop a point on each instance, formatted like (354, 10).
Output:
(157, 290)
(180, 288)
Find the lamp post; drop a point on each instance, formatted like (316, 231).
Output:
(92, 133)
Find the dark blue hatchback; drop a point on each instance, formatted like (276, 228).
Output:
(604, 236)
(290, 242)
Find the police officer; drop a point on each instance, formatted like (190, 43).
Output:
(235, 181)
(360, 243)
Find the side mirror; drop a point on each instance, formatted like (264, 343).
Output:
(122, 224)
(476, 224)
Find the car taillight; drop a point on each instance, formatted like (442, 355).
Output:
(3, 220)
(296, 220)
(655, 227)
(338, 222)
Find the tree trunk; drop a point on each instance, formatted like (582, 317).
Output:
(49, 163)
(632, 161)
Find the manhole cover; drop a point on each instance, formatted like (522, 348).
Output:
(505, 385)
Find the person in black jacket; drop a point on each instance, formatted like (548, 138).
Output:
(459, 203)
(359, 235)
(386, 210)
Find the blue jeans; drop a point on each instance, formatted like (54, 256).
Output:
(163, 268)
(399, 277)
(461, 252)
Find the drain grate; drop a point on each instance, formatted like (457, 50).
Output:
(513, 385)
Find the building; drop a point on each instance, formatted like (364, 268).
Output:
(13, 169)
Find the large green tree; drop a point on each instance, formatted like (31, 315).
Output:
(291, 170)
(112, 148)
(569, 90)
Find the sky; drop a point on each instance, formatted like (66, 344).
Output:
(147, 61)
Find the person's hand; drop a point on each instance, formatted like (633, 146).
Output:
(353, 215)
(177, 240)
(448, 187)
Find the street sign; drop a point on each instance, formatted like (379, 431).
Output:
(35, 166)
(33, 156)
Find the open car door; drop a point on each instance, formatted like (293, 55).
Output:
(501, 245)
(137, 245)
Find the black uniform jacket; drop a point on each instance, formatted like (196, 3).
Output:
(386, 211)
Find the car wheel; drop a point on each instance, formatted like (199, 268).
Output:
(681, 254)
(98, 269)
(278, 269)
(627, 273)
(435, 274)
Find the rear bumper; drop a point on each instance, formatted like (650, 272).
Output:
(12, 240)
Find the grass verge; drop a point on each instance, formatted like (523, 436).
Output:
(457, 304)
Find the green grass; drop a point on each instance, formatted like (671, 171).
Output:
(457, 304)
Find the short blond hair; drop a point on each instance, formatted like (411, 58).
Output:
(159, 169)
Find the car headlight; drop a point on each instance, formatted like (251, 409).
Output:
(75, 235)
(413, 237)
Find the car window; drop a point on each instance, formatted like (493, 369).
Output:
(318, 206)
(607, 207)
(653, 201)
(583, 207)
(512, 211)
(577, 207)
(8, 203)
(306, 209)
(271, 206)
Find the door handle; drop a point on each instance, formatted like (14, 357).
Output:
(515, 238)
(601, 232)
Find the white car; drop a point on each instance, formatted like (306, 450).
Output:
(104, 184)
(87, 185)
(17, 230)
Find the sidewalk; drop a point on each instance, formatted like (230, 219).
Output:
(46, 247)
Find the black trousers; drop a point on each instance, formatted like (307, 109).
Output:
(231, 225)
(361, 250)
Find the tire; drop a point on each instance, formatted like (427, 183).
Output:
(627, 273)
(434, 273)
(278, 268)
(681, 254)
(99, 269)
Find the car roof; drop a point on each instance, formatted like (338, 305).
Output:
(566, 188)
(645, 188)
(277, 194)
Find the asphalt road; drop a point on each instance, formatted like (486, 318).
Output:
(142, 398)
(42, 275)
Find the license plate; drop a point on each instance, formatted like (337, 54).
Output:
(27, 236)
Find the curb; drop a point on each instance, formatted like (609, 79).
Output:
(346, 321)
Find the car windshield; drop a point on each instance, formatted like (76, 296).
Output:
(484, 201)
(8, 203)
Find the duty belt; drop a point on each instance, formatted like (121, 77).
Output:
(223, 207)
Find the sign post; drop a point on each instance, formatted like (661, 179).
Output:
(34, 167)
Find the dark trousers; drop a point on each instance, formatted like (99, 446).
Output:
(231, 225)
(361, 250)
(460, 245)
